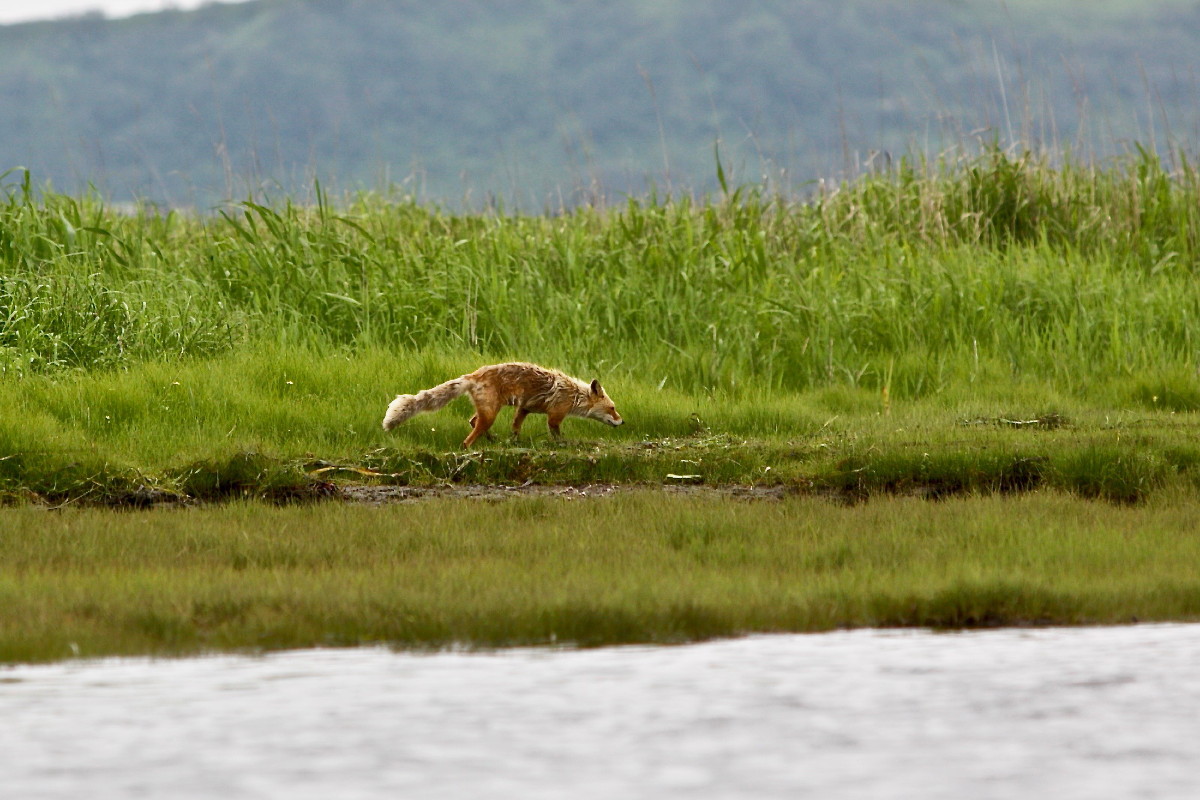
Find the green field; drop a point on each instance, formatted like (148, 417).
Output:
(633, 567)
(1012, 337)
(879, 333)
(295, 426)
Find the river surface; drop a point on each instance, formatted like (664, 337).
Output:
(1045, 713)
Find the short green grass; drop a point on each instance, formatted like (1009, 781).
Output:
(285, 424)
(641, 566)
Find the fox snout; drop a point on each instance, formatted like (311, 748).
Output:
(608, 416)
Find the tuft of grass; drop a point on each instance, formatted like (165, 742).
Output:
(1174, 392)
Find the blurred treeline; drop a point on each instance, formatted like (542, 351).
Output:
(538, 103)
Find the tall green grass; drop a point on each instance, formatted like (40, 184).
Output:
(979, 272)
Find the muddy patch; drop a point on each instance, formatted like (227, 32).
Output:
(381, 495)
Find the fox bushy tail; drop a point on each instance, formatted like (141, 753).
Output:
(406, 406)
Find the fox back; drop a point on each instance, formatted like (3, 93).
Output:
(539, 390)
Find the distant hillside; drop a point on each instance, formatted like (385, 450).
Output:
(540, 102)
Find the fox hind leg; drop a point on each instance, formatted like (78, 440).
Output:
(471, 422)
(480, 423)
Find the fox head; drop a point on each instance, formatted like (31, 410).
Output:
(600, 407)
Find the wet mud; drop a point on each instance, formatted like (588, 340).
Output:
(381, 495)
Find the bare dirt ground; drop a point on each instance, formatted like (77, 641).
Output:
(380, 495)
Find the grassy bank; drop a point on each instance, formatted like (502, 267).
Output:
(884, 333)
(636, 567)
(286, 424)
(1011, 338)
(899, 332)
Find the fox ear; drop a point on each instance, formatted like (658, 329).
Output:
(596, 388)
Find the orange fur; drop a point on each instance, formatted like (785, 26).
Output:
(528, 387)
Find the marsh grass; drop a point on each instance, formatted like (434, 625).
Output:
(282, 423)
(635, 567)
(1010, 338)
(834, 341)
(965, 270)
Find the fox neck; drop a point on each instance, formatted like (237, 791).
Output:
(581, 399)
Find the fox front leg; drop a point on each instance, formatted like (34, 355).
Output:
(518, 418)
(553, 421)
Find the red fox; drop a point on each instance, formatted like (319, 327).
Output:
(532, 389)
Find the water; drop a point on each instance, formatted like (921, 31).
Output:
(1058, 713)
